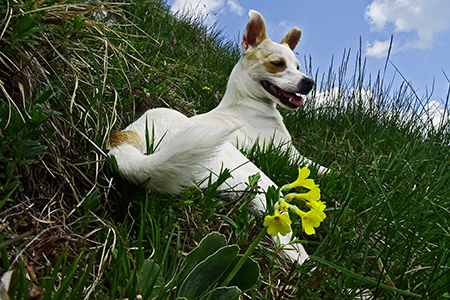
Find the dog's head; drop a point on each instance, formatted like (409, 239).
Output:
(273, 66)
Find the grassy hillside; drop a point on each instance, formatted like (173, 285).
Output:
(73, 72)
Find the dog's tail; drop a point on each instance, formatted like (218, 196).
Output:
(176, 161)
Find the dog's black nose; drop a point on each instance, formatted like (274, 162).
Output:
(308, 82)
(306, 85)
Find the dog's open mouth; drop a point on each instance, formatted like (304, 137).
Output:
(291, 100)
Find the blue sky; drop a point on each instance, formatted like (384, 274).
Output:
(420, 30)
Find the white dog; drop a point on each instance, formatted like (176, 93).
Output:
(188, 150)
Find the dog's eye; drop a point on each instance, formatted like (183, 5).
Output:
(278, 64)
(298, 67)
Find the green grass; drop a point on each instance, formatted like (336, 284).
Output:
(72, 228)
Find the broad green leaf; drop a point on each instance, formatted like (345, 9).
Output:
(207, 273)
(225, 293)
(208, 245)
(150, 279)
(247, 275)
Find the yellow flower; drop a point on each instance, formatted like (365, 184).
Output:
(206, 88)
(278, 223)
(319, 205)
(312, 195)
(311, 219)
(302, 180)
(284, 206)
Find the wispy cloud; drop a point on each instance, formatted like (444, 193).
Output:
(282, 23)
(425, 18)
(377, 48)
(235, 7)
(432, 116)
(209, 9)
(436, 114)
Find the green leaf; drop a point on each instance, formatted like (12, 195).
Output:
(225, 293)
(11, 188)
(208, 245)
(66, 281)
(26, 162)
(34, 150)
(46, 94)
(114, 167)
(23, 30)
(247, 276)
(230, 221)
(207, 274)
(254, 179)
(150, 279)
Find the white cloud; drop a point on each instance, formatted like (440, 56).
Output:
(209, 9)
(341, 98)
(282, 23)
(425, 18)
(329, 97)
(377, 48)
(436, 114)
(432, 116)
(235, 7)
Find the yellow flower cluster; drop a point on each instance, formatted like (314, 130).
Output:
(312, 209)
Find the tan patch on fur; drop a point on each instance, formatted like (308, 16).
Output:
(275, 66)
(269, 60)
(264, 55)
(125, 137)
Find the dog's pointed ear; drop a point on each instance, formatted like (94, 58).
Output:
(292, 38)
(255, 32)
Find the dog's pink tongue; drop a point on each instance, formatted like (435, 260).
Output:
(298, 101)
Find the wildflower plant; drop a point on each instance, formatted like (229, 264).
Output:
(305, 205)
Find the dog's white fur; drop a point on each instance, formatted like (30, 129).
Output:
(191, 149)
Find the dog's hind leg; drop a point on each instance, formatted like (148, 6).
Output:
(176, 162)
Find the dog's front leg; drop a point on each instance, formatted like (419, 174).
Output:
(295, 252)
(241, 168)
(299, 159)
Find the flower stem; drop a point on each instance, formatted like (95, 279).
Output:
(247, 253)
(286, 188)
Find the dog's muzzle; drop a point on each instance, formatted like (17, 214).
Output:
(290, 100)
